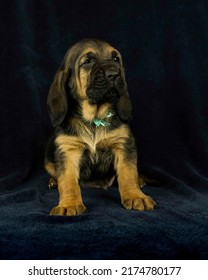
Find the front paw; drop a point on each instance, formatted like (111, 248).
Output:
(68, 210)
(139, 202)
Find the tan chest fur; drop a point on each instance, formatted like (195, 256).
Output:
(101, 138)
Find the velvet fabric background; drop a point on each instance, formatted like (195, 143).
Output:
(165, 50)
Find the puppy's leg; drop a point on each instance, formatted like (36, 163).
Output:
(50, 168)
(128, 181)
(70, 199)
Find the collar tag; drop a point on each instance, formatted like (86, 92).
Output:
(100, 122)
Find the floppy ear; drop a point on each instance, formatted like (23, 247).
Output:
(57, 98)
(124, 108)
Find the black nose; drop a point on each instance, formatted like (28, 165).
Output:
(111, 74)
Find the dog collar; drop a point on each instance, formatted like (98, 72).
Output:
(100, 122)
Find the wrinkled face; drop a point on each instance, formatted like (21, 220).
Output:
(92, 74)
(98, 74)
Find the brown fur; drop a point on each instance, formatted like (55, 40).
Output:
(89, 84)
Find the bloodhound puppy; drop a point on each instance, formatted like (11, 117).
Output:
(90, 109)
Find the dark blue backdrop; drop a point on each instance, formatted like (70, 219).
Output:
(164, 47)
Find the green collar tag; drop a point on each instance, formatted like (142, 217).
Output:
(99, 122)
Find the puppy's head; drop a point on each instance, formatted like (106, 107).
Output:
(91, 72)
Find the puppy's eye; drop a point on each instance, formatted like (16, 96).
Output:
(87, 61)
(116, 58)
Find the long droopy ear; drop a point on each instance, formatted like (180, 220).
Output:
(124, 107)
(57, 98)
